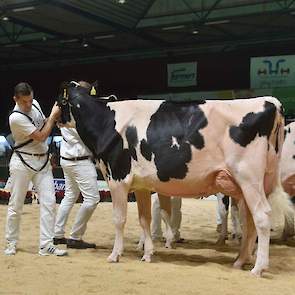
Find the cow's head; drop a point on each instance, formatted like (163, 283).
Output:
(64, 102)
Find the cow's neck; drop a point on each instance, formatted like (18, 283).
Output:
(96, 126)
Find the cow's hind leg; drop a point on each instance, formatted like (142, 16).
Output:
(260, 210)
(144, 214)
(248, 236)
(120, 200)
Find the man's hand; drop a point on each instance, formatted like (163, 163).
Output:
(41, 135)
(55, 112)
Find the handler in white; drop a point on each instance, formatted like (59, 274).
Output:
(29, 162)
(80, 175)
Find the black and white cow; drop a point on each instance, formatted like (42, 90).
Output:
(186, 149)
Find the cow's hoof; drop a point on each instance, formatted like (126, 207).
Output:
(256, 273)
(113, 258)
(168, 245)
(238, 264)
(146, 258)
(140, 247)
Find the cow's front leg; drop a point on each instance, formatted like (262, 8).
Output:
(165, 204)
(235, 218)
(143, 199)
(223, 205)
(120, 200)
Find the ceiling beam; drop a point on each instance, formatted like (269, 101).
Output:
(215, 14)
(105, 21)
(177, 50)
(150, 4)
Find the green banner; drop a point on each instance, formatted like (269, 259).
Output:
(272, 71)
(182, 74)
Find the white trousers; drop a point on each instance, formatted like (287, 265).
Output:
(20, 177)
(176, 216)
(81, 177)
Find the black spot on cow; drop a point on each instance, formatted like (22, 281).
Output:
(254, 124)
(173, 128)
(145, 150)
(225, 201)
(293, 157)
(132, 139)
(95, 123)
(286, 130)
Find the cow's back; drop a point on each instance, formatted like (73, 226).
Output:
(185, 145)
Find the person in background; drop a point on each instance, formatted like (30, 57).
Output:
(80, 176)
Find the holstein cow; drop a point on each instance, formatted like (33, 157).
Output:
(186, 149)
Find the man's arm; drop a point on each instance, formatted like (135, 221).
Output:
(42, 135)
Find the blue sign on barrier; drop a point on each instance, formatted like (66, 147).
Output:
(59, 184)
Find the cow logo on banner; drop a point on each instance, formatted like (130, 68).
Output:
(182, 74)
(273, 71)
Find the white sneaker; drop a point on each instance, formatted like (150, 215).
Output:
(10, 249)
(52, 250)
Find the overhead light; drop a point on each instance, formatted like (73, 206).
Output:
(5, 18)
(195, 32)
(173, 28)
(104, 37)
(121, 1)
(23, 9)
(85, 44)
(68, 41)
(217, 22)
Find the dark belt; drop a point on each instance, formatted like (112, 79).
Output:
(30, 154)
(76, 158)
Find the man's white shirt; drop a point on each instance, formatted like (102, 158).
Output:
(72, 145)
(21, 128)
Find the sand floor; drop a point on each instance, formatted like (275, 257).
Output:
(195, 267)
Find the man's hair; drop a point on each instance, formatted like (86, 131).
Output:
(23, 88)
(85, 85)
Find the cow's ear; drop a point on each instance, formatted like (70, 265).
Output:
(94, 88)
(93, 91)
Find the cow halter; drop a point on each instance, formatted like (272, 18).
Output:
(75, 83)
(65, 98)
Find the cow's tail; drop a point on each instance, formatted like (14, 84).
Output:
(281, 205)
(282, 211)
